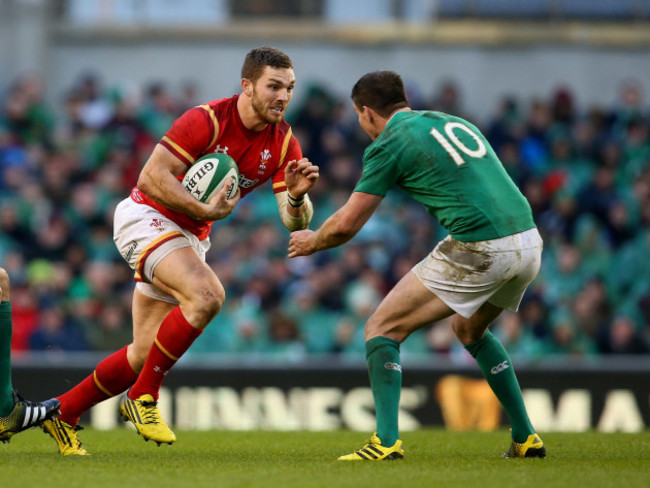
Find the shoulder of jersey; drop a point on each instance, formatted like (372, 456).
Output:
(283, 126)
(216, 106)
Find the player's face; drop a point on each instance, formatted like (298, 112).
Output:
(272, 93)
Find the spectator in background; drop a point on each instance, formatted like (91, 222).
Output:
(566, 338)
(448, 99)
(622, 338)
(534, 314)
(96, 108)
(57, 333)
(361, 297)
(629, 106)
(534, 137)
(188, 98)
(316, 324)
(314, 117)
(108, 330)
(563, 108)
(25, 116)
(516, 337)
(284, 337)
(25, 316)
(563, 277)
(158, 111)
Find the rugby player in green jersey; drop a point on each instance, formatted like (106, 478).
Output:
(492, 253)
(16, 413)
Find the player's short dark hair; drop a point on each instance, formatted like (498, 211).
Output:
(259, 58)
(382, 91)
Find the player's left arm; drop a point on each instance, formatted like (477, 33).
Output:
(342, 226)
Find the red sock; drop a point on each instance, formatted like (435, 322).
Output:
(175, 336)
(111, 377)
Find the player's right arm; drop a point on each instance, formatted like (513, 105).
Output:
(158, 180)
(338, 229)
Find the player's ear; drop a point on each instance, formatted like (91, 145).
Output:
(247, 87)
(369, 113)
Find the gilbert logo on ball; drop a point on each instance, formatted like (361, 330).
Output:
(209, 174)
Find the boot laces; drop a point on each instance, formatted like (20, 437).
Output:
(150, 414)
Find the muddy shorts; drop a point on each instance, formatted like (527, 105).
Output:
(465, 275)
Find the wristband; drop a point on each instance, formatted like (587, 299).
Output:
(295, 202)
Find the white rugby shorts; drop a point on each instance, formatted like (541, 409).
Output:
(465, 275)
(144, 237)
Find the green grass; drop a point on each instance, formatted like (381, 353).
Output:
(308, 459)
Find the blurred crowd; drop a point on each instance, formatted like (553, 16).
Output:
(584, 170)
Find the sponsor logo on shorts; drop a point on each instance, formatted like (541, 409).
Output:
(393, 366)
(131, 250)
(157, 224)
(500, 367)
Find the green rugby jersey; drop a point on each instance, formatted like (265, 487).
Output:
(445, 163)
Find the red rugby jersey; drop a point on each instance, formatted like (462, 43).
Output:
(216, 127)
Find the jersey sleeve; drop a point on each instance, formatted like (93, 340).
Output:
(191, 134)
(380, 172)
(291, 151)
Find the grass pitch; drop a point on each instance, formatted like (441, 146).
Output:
(434, 457)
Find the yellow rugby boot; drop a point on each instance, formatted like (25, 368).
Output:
(26, 414)
(374, 451)
(65, 436)
(532, 448)
(146, 417)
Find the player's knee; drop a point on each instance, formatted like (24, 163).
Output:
(466, 332)
(213, 299)
(206, 304)
(376, 327)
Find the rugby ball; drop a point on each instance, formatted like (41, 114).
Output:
(208, 175)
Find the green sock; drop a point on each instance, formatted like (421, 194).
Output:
(497, 369)
(385, 371)
(6, 389)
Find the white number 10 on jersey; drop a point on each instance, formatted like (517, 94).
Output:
(445, 142)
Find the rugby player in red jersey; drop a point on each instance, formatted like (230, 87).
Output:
(162, 231)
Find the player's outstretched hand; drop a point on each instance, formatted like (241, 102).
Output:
(300, 176)
(301, 243)
(219, 207)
